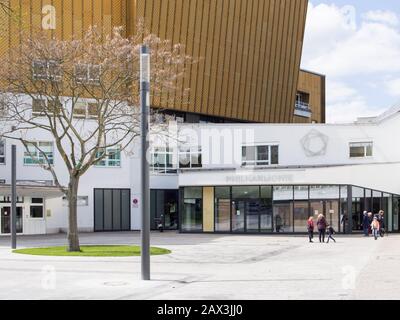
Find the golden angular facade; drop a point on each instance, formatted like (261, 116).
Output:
(249, 50)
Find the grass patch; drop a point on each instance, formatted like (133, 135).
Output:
(92, 251)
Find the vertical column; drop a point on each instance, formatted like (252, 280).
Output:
(13, 197)
(208, 209)
(349, 226)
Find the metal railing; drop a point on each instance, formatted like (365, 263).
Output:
(304, 106)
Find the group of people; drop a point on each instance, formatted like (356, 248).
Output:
(323, 228)
(374, 224)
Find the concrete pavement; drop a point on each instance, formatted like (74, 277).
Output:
(204, 266)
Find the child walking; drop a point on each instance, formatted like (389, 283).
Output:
(375, 227)
(331, 231)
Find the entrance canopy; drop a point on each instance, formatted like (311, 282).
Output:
(32, 191)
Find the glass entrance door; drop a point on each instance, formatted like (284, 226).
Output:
(164, 209)
(6, 220)
(251, 215)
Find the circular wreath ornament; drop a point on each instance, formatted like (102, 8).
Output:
(315, 143)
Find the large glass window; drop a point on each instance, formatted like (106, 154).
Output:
(301, 192)
(111, 157)
(245, 192)
(192, 215)
(190, 157)
(162, 160)
(376, 201)
(2, 152)
(396, 209)
(361, 149)
(263, 155)
(283, 208)
(301, 213)
(39, 153)
(387, 207)
(324, 192)
(266, 212)
(357, 208)
(245, 213)
(222, 209)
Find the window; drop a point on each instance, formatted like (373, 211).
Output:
(87, 74)
(190, 157)
(2, 152)
(36, 208)
(361, 149)
(37, 153)
(39, 106)
(162, 160)
(46, 70)
(81, 201)
(303, 100)
(112, 157)
(86, 109)
(264, 155)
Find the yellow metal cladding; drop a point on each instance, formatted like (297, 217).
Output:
(249, 50)
(249, 54)
(208, 209)
(71, 17)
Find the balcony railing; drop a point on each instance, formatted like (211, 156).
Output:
(302, 109)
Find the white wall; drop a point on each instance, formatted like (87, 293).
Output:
(382, 171)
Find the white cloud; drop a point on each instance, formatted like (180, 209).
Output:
(339, 92)
(358, 58)
(338, 49)
(393, 87)
(387, 17)
(345, 104)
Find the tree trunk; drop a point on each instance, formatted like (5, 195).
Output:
(73, 235)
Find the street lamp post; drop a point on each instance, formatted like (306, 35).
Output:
(13, 197)
(144, 129)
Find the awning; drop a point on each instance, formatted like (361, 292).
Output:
(32, 191)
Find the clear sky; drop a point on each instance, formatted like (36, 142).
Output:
(356, 44)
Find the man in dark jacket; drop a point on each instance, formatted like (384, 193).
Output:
(365, 223)
(321, 225)
(381, 220)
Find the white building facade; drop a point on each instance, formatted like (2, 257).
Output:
(230, 178)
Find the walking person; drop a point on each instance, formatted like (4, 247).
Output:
(321, 225)
(365, 223)
(278, 223)
(375, 227)
(381, 219)
(331, 232)
(370, 218)
(310, 228)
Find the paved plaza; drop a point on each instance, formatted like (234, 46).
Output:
(205, 266)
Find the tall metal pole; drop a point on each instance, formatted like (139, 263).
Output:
(144, 129)
(13, 197)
